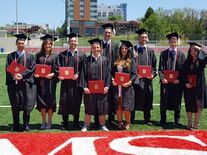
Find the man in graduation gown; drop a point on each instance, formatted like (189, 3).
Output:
(144, 56)
(110, 51)
(70, 91)
(96, 68)
(20, 86)
(171, 92)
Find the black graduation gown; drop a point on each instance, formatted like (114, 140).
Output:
(70, 90)
(144, 90)
(127, 94)
(199, 92)
(96, 103)
(111, 53)
(170, 94)
(22, 95)
(46, 88)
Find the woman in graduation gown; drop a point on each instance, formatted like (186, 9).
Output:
(21, 87)
(171, 59)
(70, 90)
(124, 94)
(46, 86)
(195, 93)
(96, 67)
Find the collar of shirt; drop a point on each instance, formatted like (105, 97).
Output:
(96, 58)
(20, 53)
(72, 53)
(108, 42)
(171, 49)
(145, 46)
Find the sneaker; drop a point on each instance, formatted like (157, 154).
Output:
(48, 126)
(84, 129)
(104, 128)
(43, 126)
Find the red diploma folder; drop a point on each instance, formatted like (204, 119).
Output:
(66, 72)
(192, 79)
(42, 70)
(15, 68)
(121, 78)
(170, 75)
(96, 86)
(144, 71)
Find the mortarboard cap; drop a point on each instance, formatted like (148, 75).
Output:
(48, 37)
(142, 31)
(126, 43)
(174, 34)
(95, 41)
(71, 35)
(107, 25)
(21, 36)
(194, 43)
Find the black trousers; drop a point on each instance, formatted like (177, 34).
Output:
(15, 115)
(164, 116)
(146, 113)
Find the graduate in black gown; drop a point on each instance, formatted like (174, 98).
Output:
(171, 92)
(21, 87)
(70, 91)
(46, 86)
(110, 51)
(195, 95)
(96, 67)
(144, 56)
(123, 95)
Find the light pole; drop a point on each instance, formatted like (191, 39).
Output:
(67, 15)
(17, 16)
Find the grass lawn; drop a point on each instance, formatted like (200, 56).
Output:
(6, 117)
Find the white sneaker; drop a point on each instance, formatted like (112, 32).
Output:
(104, 128)
(43, 126)
(84, 129)
(48, 126)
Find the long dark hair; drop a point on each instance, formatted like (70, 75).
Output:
(125, 61)
(128, 55)
(189, 59)
(42, 50)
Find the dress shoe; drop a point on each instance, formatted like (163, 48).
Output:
(177, 124)
(26, 128)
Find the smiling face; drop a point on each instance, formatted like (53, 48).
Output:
(173, 42)
(20, 45)
(96, 49)
(193, 51)
(143, 39)
(48, 46)
(107, 34)
(124, 50)
(73, 43)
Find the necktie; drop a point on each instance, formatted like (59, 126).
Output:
(172, 53)
(69, 54)
(105, 45)
(140, 49)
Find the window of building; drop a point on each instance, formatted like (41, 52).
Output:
(90, 31)
(90, 23)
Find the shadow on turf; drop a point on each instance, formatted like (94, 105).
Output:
(168, 125)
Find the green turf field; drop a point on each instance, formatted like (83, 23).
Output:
(6, 119)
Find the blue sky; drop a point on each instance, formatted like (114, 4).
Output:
(52, 11)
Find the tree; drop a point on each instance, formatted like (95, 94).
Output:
(148, 13)
(62, 30)
(115, 18)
